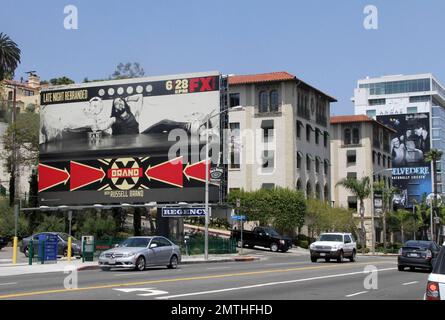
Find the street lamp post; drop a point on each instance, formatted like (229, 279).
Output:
(206, 199)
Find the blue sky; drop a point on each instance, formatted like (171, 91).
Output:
(321, 42)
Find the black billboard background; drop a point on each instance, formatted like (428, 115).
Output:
(411, 173)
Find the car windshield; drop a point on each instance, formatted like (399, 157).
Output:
(271, 232)
(135, 242)
(331, 237)
(419, 244)
(65, 236)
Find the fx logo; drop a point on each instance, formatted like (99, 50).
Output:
(71, 281)
(371, 281)
(71, 21)
(371, 21)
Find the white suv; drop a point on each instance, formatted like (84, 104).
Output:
(334, 246)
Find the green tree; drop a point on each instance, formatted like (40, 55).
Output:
(7, 223)
(98, 226)
(362, 190)
(61, 81)
(402, 218)
(387, 205)
(128, 70)
(9, 57)
(51, 223)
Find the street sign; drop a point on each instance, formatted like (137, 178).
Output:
(430, 198)
(238, 203)
(175, 212)
(48, 245)
(240, 218)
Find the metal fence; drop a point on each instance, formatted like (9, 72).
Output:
(217, 245)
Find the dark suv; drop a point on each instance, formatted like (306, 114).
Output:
(62, 244)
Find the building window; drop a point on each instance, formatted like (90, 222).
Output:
(351, 175)
(326, 192)
(264, 101)
(268, 186)
(234, 145)
(299, 158)
(386, 142)
(379, 155)
(347, 136)
(317, 191)
(308, 189)
(351, 157)
(308, 133)
(317, 164)
(411, 110)
(389, 162)
(373, 156)
(325, 139)
(308, 162)
(299, 185)
(11, 95)
(376, 137)
(419, 99)
(384, 161)
(268, 159)
(299, 125)
(274, 101)
(377, 102)
(355, 136)
(326, 167)
(352, 203)
(317, 136)
(268, 130)
(234, 100)
(371, 113)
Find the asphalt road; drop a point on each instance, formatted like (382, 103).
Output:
(277, 276)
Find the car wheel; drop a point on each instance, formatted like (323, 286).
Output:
(274, 247)
(140, 264)
(285, 250)
(353, 257)
(105, 268)
(240, 243)
(412, 269)
(340, 257)
(26, 252)
(401, 268)
(327, 259)
(173, 262)
(313, 259)
(65, 252)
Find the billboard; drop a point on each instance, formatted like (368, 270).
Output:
(411, 173)
(129, 141)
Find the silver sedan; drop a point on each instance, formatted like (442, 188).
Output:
(141, 252)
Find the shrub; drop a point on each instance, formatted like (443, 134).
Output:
(304, 244)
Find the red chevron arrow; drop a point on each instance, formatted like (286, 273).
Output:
(50, 177)
(169, 172)
(197, 171)
(83, 175)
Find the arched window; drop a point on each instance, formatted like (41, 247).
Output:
(264, 103)
(318, 191)
(299, 185)
(326, 167)
(317, 165)
(274, 101)
(299, 158)
(326, 192)
(308, 162)
(308, 189)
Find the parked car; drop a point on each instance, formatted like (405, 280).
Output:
(141, 252)
(62, 245)
(435, 288)
(263, 237)
(417, 254)
(334, 246)
(3, 242)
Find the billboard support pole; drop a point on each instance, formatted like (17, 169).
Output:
(206, 231)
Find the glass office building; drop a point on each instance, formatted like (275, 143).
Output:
(406, 94)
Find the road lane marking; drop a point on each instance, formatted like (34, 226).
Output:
(287, 263)
(207, 277)
(408, 283)
(148, 292)
(267, 284)
(218, 268)
(8, 283)
(356, 294)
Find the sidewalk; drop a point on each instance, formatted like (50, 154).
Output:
(8, 269)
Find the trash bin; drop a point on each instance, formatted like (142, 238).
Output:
(87, 248)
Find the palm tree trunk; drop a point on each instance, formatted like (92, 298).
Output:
(403, 233)
(362, 225)
(384, 229)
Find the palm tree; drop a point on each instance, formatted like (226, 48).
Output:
(433, 156)
(9, 56)
(402, 216)
(387, 197)
(362, 190)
